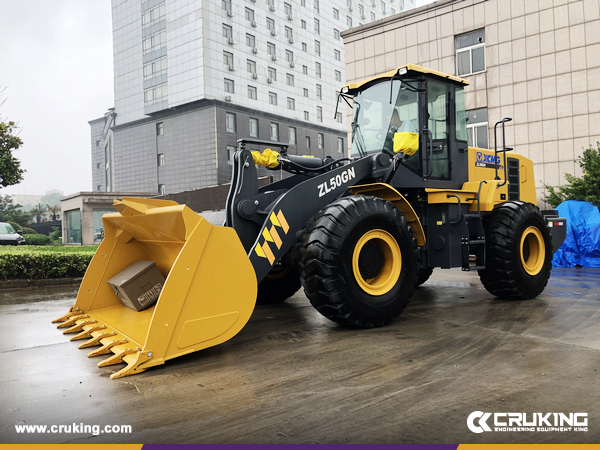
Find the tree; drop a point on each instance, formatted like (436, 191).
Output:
(10, 167)
(9, 212)
(52, 199)
(586, 188)
(38, 213)
(54, 210)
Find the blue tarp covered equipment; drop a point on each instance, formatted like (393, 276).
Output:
(582, 245)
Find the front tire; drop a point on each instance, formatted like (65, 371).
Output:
(359, 262)
(518, 251)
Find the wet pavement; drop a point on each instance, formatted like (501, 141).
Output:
(291, 376)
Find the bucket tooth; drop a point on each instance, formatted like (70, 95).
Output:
(87, 333)
(117, 358)
(106, 348)
(96, 340)
(71, 321)
(72, 312)
(79, 326)
(134, 366)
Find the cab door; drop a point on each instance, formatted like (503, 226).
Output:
(436, 158)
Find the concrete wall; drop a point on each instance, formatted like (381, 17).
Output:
(542, 69)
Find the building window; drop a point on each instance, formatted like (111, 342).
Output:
(372, 17)
(289, 56)
(304, 47)
(250, 40)
(317, 26)
(307, 141)
(303, 24)
(155, 94)
(160, 129)
(154, 42)
(270, 24)
(228, 59)
(287, 9)
(319, 92)
(291, 103)
(288, 33)
(336, 14)
(292, 133)
(230, 122)
(272, 73)
(303, 2)
(305, 70)
(270, 2)
(231, 149)
(251, 66)
(99, 187)
(272, 98)
(340, 145)
(289, 79)
(154, 15)
(226, 5)
(316, 4)
(155, 68)
(229, 86)
(274, 132)
(318, 69)
(252, 93)
(227, 31)
(349, 21)
(253, 124)
(336, 34)
(337, 55)
(306, 116)
(305, 92)
(320, 140)
(477, 128)
(98, 165)
(470, 52)
(271, 49)
(249, 15)
(160, 159)
(338, 75)
(318, 48)
(338, 117)
(382, 7)
(392, 11)
(361, 11)
(161, 189)
(319, 114)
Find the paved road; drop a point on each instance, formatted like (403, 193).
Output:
(291, 376)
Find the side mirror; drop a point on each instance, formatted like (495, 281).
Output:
(19, 231)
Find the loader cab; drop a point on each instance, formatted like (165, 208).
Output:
(415, 100)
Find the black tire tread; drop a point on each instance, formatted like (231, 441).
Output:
(323, 238)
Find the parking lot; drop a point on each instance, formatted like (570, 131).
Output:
(292, 376)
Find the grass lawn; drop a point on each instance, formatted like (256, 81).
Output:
(12, 249)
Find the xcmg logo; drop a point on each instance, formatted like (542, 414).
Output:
(487, 160)
(478, 422)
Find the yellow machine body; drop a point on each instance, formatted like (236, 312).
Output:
(493, 192)
(198, 307)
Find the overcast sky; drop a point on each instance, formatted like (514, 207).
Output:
(57, 68)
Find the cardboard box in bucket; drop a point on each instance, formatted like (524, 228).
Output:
(139, 286)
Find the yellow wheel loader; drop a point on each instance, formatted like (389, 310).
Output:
(358, 233)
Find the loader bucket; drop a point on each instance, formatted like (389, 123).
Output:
(208, 295)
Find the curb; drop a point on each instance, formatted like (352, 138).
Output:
(15, 284)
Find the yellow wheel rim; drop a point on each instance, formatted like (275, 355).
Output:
(278, 274)
(534, 261)
(387, 277)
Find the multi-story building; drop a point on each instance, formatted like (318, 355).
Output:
(537, 62)
(192, 77)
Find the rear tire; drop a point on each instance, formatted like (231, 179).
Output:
(280, 284)
(423, 275)
(518, 251)
(359, 262)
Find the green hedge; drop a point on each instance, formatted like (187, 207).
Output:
(27, 230)
(37, 239)
(36, 263)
